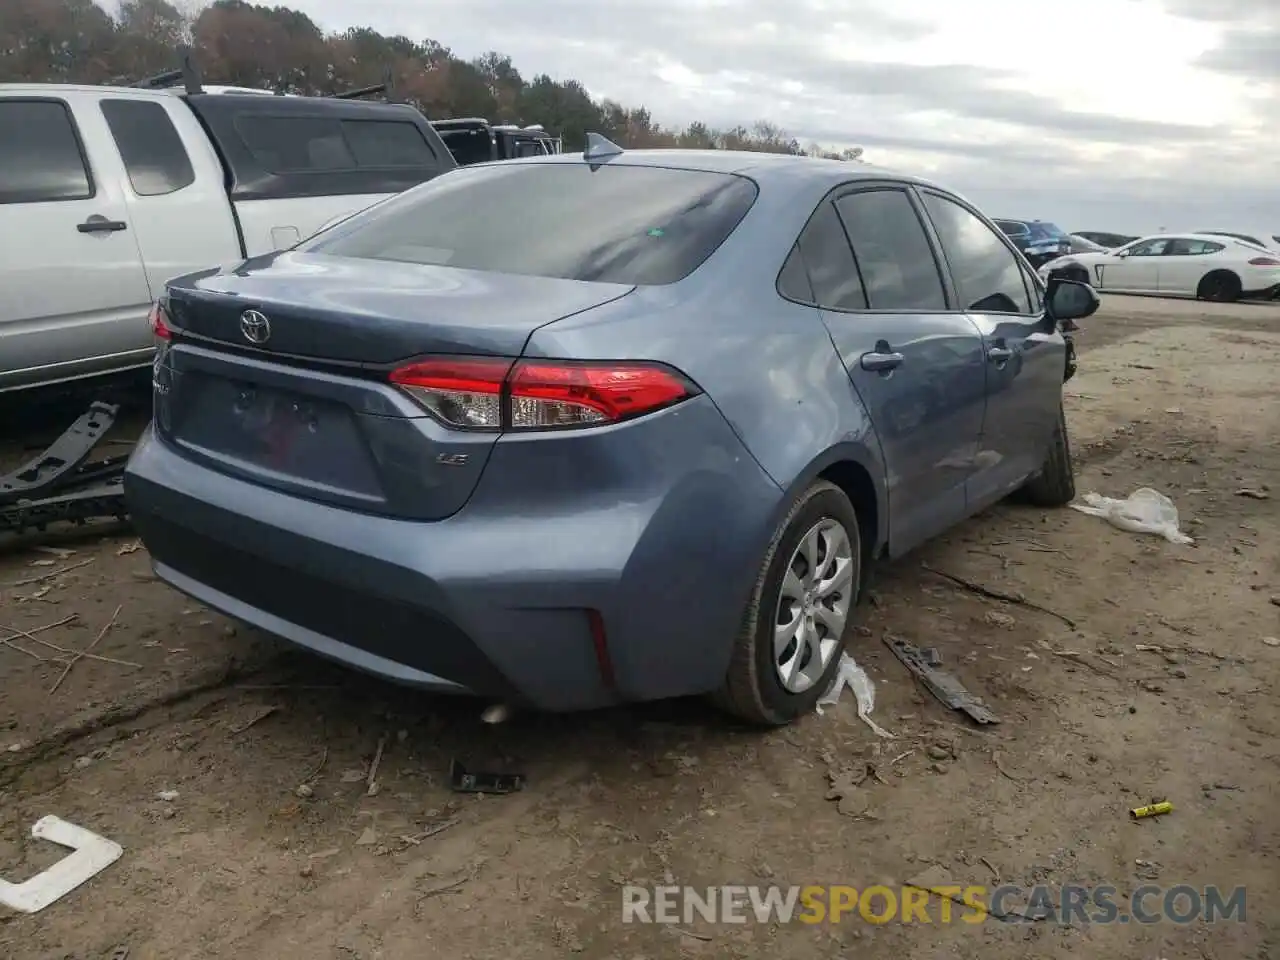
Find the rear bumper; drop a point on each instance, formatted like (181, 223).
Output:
(497, 599)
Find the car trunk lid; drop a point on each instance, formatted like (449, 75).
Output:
(308, 409)
(375, 312)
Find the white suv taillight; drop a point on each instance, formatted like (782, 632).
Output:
(481, 393)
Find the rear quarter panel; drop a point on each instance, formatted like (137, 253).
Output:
(768, 364)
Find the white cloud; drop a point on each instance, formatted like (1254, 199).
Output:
(1111, 114)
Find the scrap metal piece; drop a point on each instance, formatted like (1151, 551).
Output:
(496, 779)
(941, 684)
(105, 500)
(92, 855)
(62, 457)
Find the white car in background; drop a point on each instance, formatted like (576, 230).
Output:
(1205, 266)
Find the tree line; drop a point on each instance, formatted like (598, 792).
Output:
(276, 48)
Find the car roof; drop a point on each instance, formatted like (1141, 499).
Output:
(1187, 235)
(757, 166)
(52, 89)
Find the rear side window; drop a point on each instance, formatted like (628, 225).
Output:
(326, 145)
(987, 275)
(615, 224)
(40, 156)
(893, 253)
(152, 151)
(1179, 247)
(793, 279)
(824, 251)
(1012, 228)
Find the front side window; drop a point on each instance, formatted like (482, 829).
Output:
(892, 251)
(614, 224)
(153, 153)
(987, 275)
(1149, 248)
(40, 158)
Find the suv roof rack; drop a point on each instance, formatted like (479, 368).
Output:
(188, 74)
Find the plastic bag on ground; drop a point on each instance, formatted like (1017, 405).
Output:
(855, 678)
(1143, 511)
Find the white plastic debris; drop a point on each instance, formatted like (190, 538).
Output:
(92, 855)
(855, 678)
(1143, 511)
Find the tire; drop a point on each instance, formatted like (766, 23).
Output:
(1055, 484)
(753, 688)
(1220, 286)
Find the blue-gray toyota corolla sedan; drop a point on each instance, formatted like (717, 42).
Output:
(615, 426)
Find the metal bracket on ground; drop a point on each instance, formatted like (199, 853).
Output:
(941, 684)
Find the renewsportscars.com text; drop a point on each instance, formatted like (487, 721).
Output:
(1068, 904)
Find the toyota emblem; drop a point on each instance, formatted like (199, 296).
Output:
(255, 327)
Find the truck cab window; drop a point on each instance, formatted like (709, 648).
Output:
(149, 144)
(40, 156)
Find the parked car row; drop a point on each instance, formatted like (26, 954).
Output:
(1039, 240)
(1106, 241)
(1207, 264)
(439, 453)
(1210, 266)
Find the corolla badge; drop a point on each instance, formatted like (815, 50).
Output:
(255, 326)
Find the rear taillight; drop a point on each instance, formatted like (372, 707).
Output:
(483, 393)
(1264, 262)
(159, 320)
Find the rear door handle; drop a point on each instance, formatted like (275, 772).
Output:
(998, 354)
(100, 224)
(881, 362)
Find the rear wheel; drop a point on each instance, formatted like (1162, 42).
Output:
(793, 630)
(1055, 484)
(1222, 286)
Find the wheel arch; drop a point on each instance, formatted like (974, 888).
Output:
(858, 470)
(1225, 272)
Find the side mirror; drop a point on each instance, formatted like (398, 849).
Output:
(1069, 300)
(1122, 254)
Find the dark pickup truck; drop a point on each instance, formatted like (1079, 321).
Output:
(476, 140)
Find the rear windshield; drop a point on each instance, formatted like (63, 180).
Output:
(1011, 227)
(617, 223)
(1046, 231)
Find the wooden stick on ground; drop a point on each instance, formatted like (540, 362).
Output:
(51, 574)
(1001, 595)
(101, 633)
(31, 635)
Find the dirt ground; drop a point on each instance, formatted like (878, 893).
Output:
(273, 846)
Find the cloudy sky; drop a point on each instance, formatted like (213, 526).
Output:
(1126, 115)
